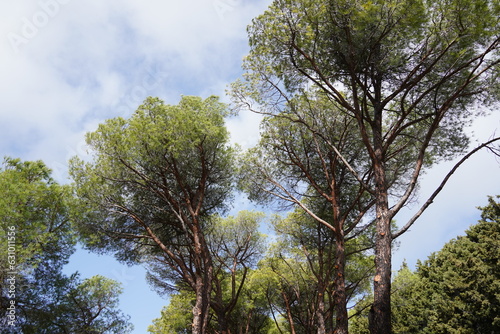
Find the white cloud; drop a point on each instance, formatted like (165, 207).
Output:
(67, 65)
(245, 129)
(70, 63)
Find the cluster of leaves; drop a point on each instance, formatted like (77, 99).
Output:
(153, 188)
(37, 209)
(159, 166)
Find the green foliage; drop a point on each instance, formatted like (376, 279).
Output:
(59, 304)
(409, 74)
(406, 289)
(82, 307)
(175, 318)
(93, 306)
(34, 219)
(165, 166)
(297, 276)
(463, 279)
(235, 241)
(249, 316)
(38, 210)
(300, 155)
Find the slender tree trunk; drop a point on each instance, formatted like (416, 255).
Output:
(380, 319)
(321, 288)
(249, 318)
(201, 307)
(341, 325)
(288, 313)
(320, 312)
(203, 288)
(217, 305)
(382, 281)
(339, 293)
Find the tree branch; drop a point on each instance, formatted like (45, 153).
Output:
(441, 186)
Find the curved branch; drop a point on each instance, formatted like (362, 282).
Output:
(441, 186)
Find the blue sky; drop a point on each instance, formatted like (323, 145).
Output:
(67, 65)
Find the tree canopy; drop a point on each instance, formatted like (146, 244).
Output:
(155, 182)
(410, 75)
(35, 214)
(359, 98)
(37, 208)
(458, 286)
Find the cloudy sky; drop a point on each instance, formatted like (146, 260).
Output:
(67, 65)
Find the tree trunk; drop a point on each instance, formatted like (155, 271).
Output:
(288, 313)
(320, 313)
(382, 281)
(380, 319)
(223, 323)
(321, 288)
(249, 318)
(203, 277)
(341, 325)
(202, 306)
(339, 293)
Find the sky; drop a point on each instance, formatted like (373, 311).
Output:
(67, 65)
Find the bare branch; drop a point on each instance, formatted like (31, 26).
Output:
(443, 183)
(291, 198)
